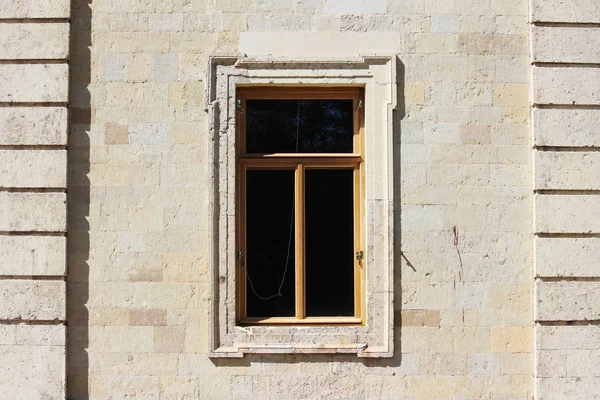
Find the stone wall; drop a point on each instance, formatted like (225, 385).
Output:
(34, 81)
(566, 113)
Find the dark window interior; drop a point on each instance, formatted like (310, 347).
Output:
(299, 126)
(329, 223)
(270, 243)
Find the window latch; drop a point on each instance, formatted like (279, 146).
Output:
(360, 255)
(240, 256)
(360, 105)
(238, 105)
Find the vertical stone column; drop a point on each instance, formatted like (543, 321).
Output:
(33, 180)
(566, 129)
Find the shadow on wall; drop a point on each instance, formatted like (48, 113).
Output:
(345, 360)
(78, 237)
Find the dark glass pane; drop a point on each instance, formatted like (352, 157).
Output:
(299, 126)
(329, 242)
(270, 243)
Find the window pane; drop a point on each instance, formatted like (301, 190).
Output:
(329, 242)
(270, 258)
(299, 126)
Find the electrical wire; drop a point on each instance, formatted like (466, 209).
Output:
(287, 257)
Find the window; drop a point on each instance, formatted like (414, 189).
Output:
(299, 205)
(316, 177)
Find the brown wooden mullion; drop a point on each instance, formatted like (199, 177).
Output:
(300, 251)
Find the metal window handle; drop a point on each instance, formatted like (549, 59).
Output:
(360, 255)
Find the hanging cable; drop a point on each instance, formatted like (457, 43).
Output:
(287, 257)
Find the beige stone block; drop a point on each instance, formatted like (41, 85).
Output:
(566, 170)
(196, 339)
(36, 9)
(472, 340)
(34, 82)
(566, 45)
(418, 318)
(580, 388)
(40, 335)
(33, 125)
(478, 134)
(571, 127)
(34, 41)
(573, 257)
(138, 67)
(567, 214)
(559, 85)
(512, 339)
(169, 339)
(567, 337)
(115, 134)
(566, 11)
(143, 316)
(33, 211)
(567, 300)
(32, 372)
(32, 255)
(32, 300)
(510, 94)
(33, 168)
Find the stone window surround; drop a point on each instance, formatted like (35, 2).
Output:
(378, 76)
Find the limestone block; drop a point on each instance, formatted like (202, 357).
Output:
(576, 257)
(567, 214)
(33, 168)
(567, 170)
(565, 11)
(21, 211)
(34, 41)
(32, 255)
(575, 388)
(567, 300)
(33, 126)
(36, 8)
(34, 82)
(40, 335)
(32, 300)
(566, 45)
(555, 127)
(556, 85)
(567, 337)
(32, 372)
(355, 6)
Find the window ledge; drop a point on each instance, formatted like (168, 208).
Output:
(378, 76)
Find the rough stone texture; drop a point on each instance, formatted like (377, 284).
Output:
(569, 257)
(30, 41)
(36, 8)
(567, 301)
(22, 211)
(567, 170)
(583, 11)
(32, 300)
(32, 255)
(33, 168)
(573, 127)
(566, 45)
(355, 6)
(575, 85)
(34, 82)
(567, 214)
(33, 372)
(33, 126)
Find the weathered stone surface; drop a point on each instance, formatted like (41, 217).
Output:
(567, 300)
(574, 387)
(22, 211)
(567, 213)
(32, 255)
(32, 372)
(566, 11)
(33, 168)
(33, 126)
(34, 41)
(570, 127)
(36, 9)
(567, 337)
(32, 300)
(566, 45)
(574, 257)
(559, 85)
(34, 82)
(567, 170)
(355, 6)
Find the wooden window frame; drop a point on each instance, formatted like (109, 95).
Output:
(300, 162)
